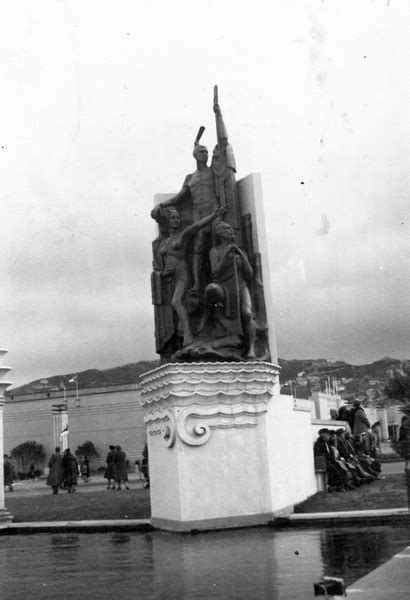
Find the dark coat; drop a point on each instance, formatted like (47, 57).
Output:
(322, 448)
(55, 474)
(120, 468)
(360, 423)
(109, 469)
(8, 472)
(70, 469)
(404, 440)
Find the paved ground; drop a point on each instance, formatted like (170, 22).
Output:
(390, 581)
(389, 468)
(38, 487)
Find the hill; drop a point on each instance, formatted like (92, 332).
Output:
(124, 374)
(303, 375)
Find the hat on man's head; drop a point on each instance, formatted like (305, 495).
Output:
(340, 431)
(356, 402)
(323, 431)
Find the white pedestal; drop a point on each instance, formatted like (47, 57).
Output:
(211, 457)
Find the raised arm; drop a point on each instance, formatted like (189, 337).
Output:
(195, 227)
(221, 133)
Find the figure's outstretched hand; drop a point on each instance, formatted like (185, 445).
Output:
(221, 211)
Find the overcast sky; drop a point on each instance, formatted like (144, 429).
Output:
(100, 104)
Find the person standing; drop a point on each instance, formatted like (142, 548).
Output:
(32, 472)
(120, 470)
(109, 469)
(55, 474)
(404, 440)
(359, 423)
(144, 465)
(8, 472)
(70, 470)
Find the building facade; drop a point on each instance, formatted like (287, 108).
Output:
(103, 415)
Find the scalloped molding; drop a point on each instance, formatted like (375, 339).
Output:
(189, 400)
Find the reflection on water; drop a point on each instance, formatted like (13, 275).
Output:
(248, 563)
(343, 551)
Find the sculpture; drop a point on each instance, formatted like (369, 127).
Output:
(231, 276)
(175, 272)
(209, 187)
(205, 288)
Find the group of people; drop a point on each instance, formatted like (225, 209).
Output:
(116, 471)
(63, 471)
(349, 454)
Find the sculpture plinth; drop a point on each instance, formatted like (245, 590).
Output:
(207, 433)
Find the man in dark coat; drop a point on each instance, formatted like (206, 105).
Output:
(109, 469)
(359, 422)
(55, 474)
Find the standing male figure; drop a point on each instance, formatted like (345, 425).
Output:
(208, 188)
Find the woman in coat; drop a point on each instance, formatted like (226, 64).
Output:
(109, 469)
(70, 470)
(55, 474)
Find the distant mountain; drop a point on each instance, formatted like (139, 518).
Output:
(302, 375)
(124, 374)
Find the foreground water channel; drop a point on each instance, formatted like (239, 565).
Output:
(248, 563)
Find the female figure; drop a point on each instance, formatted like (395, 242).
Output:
(172, 253)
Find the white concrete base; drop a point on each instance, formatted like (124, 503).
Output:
(225, 449)
(5, 518)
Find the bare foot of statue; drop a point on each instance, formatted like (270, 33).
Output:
(188, 339)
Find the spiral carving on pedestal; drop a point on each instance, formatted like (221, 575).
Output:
(162, 423)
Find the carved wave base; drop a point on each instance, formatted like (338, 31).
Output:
(207, 429)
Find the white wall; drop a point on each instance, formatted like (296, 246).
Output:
(290, 453)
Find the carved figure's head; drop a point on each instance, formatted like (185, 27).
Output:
(224, 232)
(200, 153)
(173, 218)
